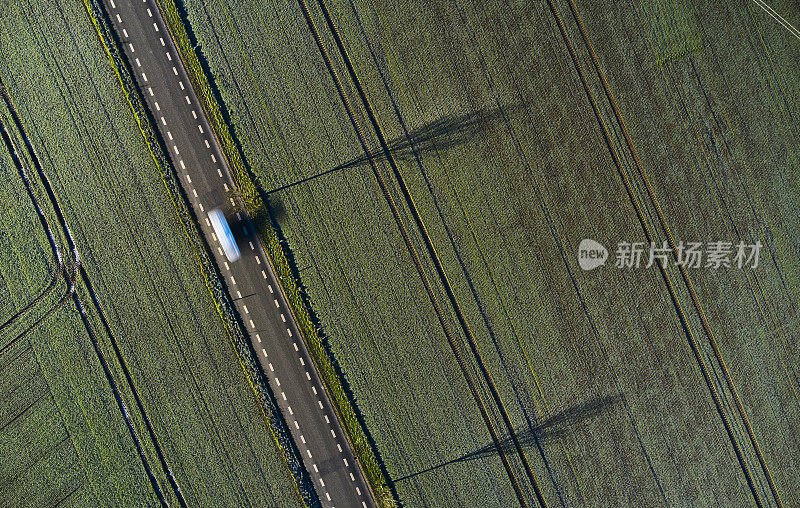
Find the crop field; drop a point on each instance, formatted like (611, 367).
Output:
(149, 286)
(510, 168)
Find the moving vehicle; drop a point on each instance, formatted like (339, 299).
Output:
(224, 234)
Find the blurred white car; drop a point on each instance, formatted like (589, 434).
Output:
(224, 234)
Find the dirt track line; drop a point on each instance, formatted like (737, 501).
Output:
(662, 268)
(433, 254)
(77, 266)
(417, 262)
(684, 273)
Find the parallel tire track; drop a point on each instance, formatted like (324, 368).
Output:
(77, 265)
(433, 255)
(412, 250)
(661, 265)
(684, 273)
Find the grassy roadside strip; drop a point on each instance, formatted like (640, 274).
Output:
(224, 306)
(256, 207)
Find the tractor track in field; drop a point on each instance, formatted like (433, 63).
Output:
(661, 265)
(385, 148)
(72, 292)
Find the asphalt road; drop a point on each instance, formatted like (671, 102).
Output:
(261, 304)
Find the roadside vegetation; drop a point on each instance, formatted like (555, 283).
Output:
(498, 143)
(148, 282)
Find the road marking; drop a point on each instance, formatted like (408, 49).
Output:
(258, 337)
(283, 318)
(303, 439)
(203, 210)
(309, 453)
(213, 159)
(334, 436)
(194, 114)
(352, 478)
(308, 376)
(289, 332)
(219, 249)
(131, 46)
(176, 149)
(226, 186)
(314, 389)
(219, 172)
(207, 222)
(363, 503)
(125, 33)
(239, 295)
(272, 370)
(150, 90)
(158, 108)
(245, 306)
(224, 262)
(322, 482)
(288, 407)
(200, 127)
(144, 77)
(357, 489)
(174, 70)
(319, 401)
(303, 363)
(188, 101)
(207, 144)
(181, 84)
(234, 204)
(276, 303)
(327, 420)
(345, 463)
(163, 121)
(278, 382)
(263, 352)
(112, 5)
(233, 280)
(169, 134)
(183, 166)
(315, 468)
(238, 216)
(155, 26)
(296, 426)
(258, 260)
(283, 395)
(138, 63)
(119, 19)
(162, 41)
(295, 345)
(149, 13)
(326, 494)
(169, 57)
(268, 285)
(194, 191)
(251, 246)
(252, 325)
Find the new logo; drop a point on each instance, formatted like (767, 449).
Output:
(591, 254)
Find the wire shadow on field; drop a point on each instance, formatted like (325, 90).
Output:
(553, 427)
(446, 132)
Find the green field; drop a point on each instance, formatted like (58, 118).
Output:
(148, 279)
(595, 365)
